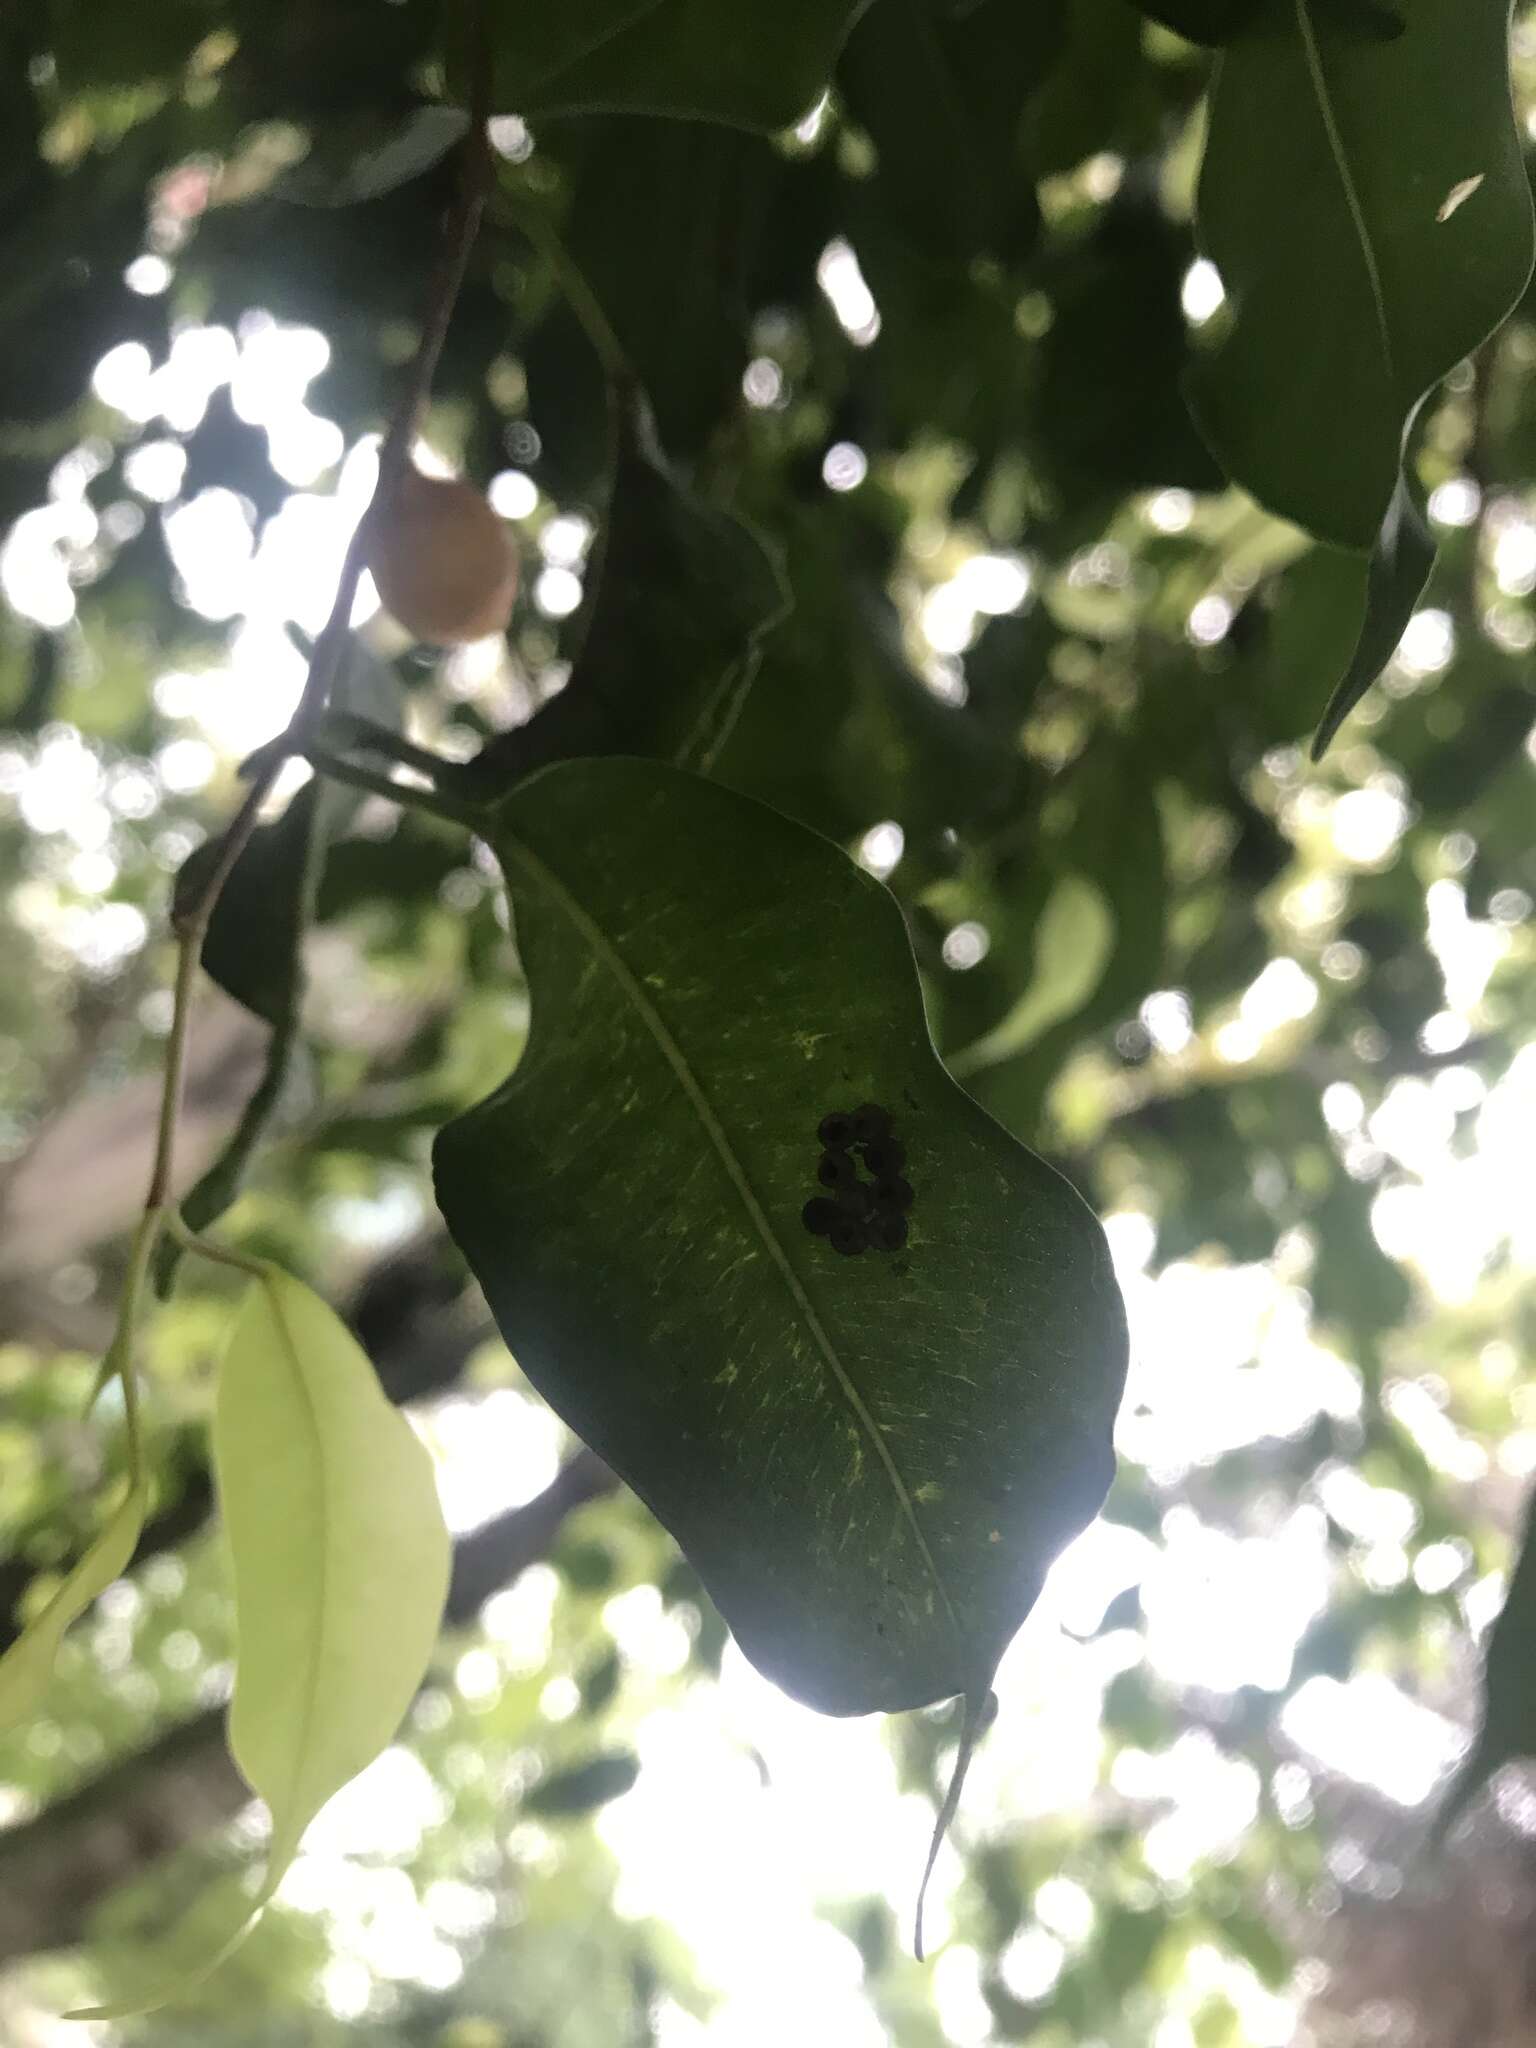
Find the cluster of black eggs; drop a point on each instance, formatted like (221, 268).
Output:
(858, 1215)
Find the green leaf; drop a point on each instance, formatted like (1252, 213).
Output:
(341, 1563)
(1508, 1726)
(371, 154)
(752, 65)
(1073, 943)
(941, 95)
(1401, 561)
(870, 1460)
(27, 1665)
(340, 1554)
(685, 595)
(1198, 21)
(583, 1787)
(1367, 206)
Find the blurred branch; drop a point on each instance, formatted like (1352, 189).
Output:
(56, 1869)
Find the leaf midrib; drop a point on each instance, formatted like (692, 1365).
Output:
(1352, 200)
(676, 1059)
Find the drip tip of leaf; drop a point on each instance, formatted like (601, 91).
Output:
(980, 1713)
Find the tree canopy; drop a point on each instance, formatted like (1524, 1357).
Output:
(768, 871)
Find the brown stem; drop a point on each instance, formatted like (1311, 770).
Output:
(190, 918)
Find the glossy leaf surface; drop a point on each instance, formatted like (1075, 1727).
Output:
(1366, 203)
(870, 1460)
(750, 65)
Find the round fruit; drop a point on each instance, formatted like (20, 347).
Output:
(444, 564)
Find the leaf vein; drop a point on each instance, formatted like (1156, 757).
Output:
(1330, 120)
(605, 951)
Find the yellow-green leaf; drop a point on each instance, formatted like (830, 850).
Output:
(340, 1551)
(341, 1566)
(27, 1666)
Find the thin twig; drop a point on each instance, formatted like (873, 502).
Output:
(190, 919)
(191, 916)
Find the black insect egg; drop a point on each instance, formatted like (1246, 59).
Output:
(858, 1215)
(837, 1170)
(884, 1157)
(888, 1230)
(849, 1236)
(870, 1123)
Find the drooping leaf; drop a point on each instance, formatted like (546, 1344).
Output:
(661, 228)
(27, 1665)
(371, 154)
(1073, 941)
(584, 1787)
(1401, 562)
(870, 1460)
(1112, 412)
(1366, 204)
(1507, 1728)
(340, 1553)
(341, 1563)
(752, 65)
(253, 945)
(685, 594)
(1198, 21)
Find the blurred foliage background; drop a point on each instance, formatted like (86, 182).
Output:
(1056, 685)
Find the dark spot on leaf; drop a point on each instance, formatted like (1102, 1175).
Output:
(849, 1236)
(836, 1130)
(871, 1123)
(837, 1170)
(819, 1215)
(888, 1231)
(894, 1193)
(885, 1158)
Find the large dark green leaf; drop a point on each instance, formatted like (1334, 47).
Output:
(752, 65)
(1198, 21)
(1366, 203)
(870, 1460)
(685, 593)
(942, 95)
(662, 230)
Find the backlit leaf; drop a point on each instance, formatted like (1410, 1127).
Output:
(340, 1553)
(869, 1460)
(341, 1566)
